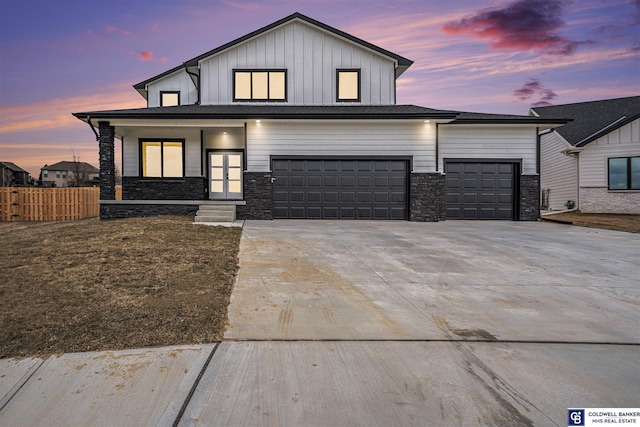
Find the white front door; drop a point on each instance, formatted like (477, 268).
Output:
(225, 175)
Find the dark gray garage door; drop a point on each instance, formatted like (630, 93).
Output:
(479, 190)
(340, 189)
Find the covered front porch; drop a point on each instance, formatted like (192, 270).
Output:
(181, 169)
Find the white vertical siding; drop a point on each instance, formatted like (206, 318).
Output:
(489, 142)
(310, 56)
(622, 142)
(192, 154)
(558, 172)
(413, 139)
(178, 81)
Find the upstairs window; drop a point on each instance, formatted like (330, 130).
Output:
(45, 173)
(162, 159)
(169, 99)
(624, 173)
(57, 174)
(259, 85)
(348, 85)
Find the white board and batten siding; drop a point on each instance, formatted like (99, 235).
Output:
(622, 142)
(311, 58)
(131, 146)
(178, 81)
(558, 172)
(340, 139)
(488, 142)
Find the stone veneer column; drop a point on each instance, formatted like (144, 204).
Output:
(258, 193)
(529, 197)
(427, 197)
(106, 148)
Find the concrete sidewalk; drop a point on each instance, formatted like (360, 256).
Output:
(378, 323)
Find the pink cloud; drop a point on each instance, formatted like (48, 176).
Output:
(525, 25)
(145, 56)
(112, 29)
(164, 59)
(155, 26)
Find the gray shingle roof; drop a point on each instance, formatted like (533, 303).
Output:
(71, 166)
(239, 111)
(324, 112)
(13, 167)
(593, 119)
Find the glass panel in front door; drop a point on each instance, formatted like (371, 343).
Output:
(234, 176)
(225, 175)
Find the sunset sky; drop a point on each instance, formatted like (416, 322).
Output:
(63, 56)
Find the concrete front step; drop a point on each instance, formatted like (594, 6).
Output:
(216, 213)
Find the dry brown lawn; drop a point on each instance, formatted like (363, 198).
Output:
(628, 223)
(106, 285)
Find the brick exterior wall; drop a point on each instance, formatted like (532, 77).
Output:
(427, 197)
(106, 152)
(529, 197)
(601, 200)
(188, 188)
(128, 211)
(258, 193)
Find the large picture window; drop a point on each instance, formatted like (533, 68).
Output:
(348, 85)
(624, 173)
(260, 85)
(162, 159)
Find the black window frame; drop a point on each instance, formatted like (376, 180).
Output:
(259, 70)
(629, 186)
(349, 70)
(162, 92)
(161, 141)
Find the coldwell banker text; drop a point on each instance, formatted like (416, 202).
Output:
(599, 416)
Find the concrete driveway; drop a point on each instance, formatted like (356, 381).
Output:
(378, 324)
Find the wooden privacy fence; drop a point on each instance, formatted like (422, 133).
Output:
(48, 204)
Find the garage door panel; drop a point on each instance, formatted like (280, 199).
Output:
(347, 197)
(297, 212)
(314, 197)
(348, 181)
(296, 181)
(364, 181)
(330, 197)
(479, 190)
(505, 183)
(314, 212)
(364, 197)
(470, 183)
(296, 196)
(314, 181)
(398, 198)
(354, 189)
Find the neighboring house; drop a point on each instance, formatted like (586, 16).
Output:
(12, 174)
(69, 174)
(592, 163)
(299, 120)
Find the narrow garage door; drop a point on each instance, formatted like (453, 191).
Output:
(479, 190)
(340, 189)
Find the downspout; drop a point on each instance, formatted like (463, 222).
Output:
(437, 147)
(197, 76)
(92, 128)
(539, 161)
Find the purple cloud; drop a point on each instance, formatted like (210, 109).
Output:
(522, 26)
(533, 88)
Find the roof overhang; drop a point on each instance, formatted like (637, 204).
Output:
(242, 112)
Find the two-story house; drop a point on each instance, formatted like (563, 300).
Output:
(299, 120)
(69, 174)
